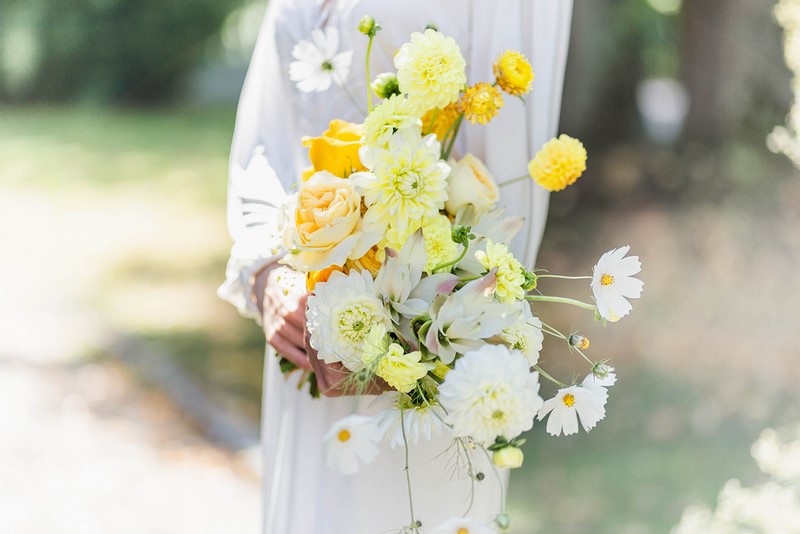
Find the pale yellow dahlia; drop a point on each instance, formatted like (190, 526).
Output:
(481, 102)
(438, 121)
(431, 70)
(559, 163)
(401, 370)
(438, 234)
(510, 276)
(513, 73)
(392, 114)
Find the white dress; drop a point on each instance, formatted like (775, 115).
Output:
(302, 496)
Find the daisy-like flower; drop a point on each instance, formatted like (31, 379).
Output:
(318, 65)
(420, 421)
(394, 113)
(613, 283)
(491, 393)
(438, 234)
(513, 73)
(431, 70)
(599, 380)
(568, 406)
(350, 442)
(408, 181)
(463, 525)
(399, 369)
(559, 163)
(341, 312)
(525, 335)
(510, 276)
(481, 102)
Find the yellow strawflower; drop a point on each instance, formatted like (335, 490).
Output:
(559, 163)
(430, 70)
(514, 73)
(438, 121)
(400, 370)
(510, 276)
(481, 102)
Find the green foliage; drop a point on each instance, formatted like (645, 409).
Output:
(103, 50)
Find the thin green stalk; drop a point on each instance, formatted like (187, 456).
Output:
(353, 100)
(433, 121)
(452, 143)
(499, 481)
(369, 78)
(453, 262)
(514, 180)
(563, 277)
(408, 474)
(564, 337)
(561, 300)
(550, 378)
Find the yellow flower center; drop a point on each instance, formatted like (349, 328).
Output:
(568, 400)
(343, 435)
(462, 530)
(585, 343)
(607, 280)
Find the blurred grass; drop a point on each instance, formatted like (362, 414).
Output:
(705, 360)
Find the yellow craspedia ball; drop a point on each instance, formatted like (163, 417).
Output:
(513, 73)
(559, 163)
(481, 102)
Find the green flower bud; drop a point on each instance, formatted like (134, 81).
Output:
(577, 340)
(508, 458)
(386, 85)
(503, 522)
(530, 280)
(367, 25)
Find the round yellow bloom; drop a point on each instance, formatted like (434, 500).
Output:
(481, 102)
(438, 234)
(514, 73)
(431, 70)
(559, 163)
(510, 277)
(393, 114)
(438, 121)
(336, 150)
(400, 370)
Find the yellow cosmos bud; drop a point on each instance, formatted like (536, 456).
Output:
(513, 73)
(508, 457)
(481, 102)
(559, 163)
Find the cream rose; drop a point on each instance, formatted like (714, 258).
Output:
(470, 182)
(327, 228)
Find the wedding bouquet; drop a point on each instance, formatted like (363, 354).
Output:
(406, 254)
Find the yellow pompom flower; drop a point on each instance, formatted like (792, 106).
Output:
(438, 121)
(400, 370)
(510, 276)
(513, 73)
(559, 163)
(481, 102)
(431, 70)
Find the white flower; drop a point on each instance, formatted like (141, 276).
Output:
(318, 65)
(525, 335)
(351, 441)
(425, 421)
(613, 282)
(341, 312)
(568, 405)
(470, 182)
(490, 393)
(598, 383)
(462, 525)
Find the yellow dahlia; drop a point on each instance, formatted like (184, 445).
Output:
(431, 70)
(513, 72)
(438, 234)
(510, 277)
(438, 121)
(400, 370)
(394, 113)
(559, 163)
(481, 102)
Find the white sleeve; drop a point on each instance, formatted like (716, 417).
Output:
(261, 170)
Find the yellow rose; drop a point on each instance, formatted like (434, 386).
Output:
(336, 150)
(327, 226)
(470, 182)
(315, 277)
(368, 262)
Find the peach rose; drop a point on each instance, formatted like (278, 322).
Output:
(336, 150)
(327, 228)
(470, 182)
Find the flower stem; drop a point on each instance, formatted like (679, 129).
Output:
(432, 125)
(453, 262)
(353, 100)
(369, 78)
(550, 378)
(561, 300)
(514, 180)
(499, 481)
(452, 142)
(566, 338)
(563, 277)
(414, 526)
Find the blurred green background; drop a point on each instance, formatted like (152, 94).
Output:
(115, 124)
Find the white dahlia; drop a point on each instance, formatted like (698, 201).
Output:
(613, 283)
(571, 404)
(351, 441)
(341, 312)
(490, 393)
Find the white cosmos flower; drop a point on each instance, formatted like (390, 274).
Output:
(491, 392)
(600, 384)
(569, 405)
(462, 525)
(613, 283)
(525, 335)
(318, 65)
(424, 421)
(351, 441)
(341, 312)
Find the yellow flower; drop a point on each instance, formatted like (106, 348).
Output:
(438, 234)
(438, 121)
(481, 102)
(431, 70)
(400, 370)
(393, 114)
(371, 261)
(559, 163)
(470, 182)
(510, 276)
(513, 72)
(336, 150)
(315, 277)
(441, 369)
